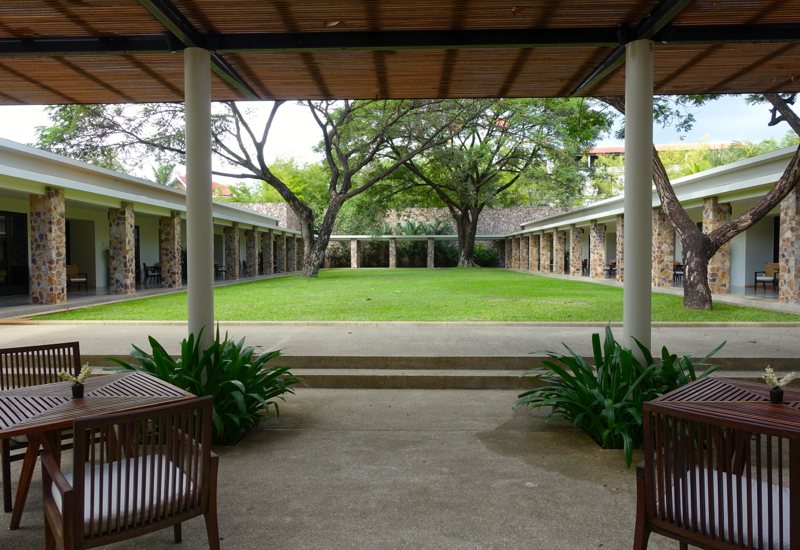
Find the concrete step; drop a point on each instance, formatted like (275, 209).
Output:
(412, 379)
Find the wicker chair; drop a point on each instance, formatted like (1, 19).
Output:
(144, 471)
(74, 278)
(769, 275)
(31, 366)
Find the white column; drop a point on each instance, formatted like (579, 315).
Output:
(199, 217)
(638, 193)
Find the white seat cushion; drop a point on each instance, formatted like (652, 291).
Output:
(164, 473)
(767, 279)
(769, 492)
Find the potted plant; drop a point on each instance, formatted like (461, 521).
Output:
(776, 391)
(77, 381)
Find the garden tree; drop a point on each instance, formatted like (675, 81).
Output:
(355, 137)
(162, 173)
(513, 141)
(699, 247)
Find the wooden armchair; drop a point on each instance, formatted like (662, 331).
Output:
(144, 471)
(151, 273)
(769, 275)
(30, 366)
(715, 484)
(74, 278)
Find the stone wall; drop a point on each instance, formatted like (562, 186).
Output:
(716, 214)
(620, 248)
(251, 248)
(575, 251)
(663, 249)
(48, 273)
(121, 250)
(281, 210)
(789, 283)
(534, 253)
(232, 251)
(170, 250)
(492, 221)
(266, 252)
(524, 253)
(547, 250)
(559, 248)
(597, 250)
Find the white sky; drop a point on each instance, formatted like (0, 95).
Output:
(295, 133)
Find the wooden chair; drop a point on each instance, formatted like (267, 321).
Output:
(76, 278)
(769, 275)
(31, 366)
(151, 273)
(144, 471)
(713, 484)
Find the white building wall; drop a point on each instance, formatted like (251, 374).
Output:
(148, 241)
(750, 251)
(611, 246)
(91, 254)
(585, 243)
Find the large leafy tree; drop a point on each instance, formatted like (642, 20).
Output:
(699, 247)
(355, 137)
(534, 142)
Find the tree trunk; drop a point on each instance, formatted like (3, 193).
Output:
(315, 253)
(696, 292)
(466, 240)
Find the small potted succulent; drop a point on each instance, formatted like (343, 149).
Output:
(77, 381)
(776, 391)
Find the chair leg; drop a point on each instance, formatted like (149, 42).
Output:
(684, 546)
(49, 539)
(212, 529)
(6, 459)
(177, 531)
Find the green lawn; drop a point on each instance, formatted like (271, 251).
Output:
(417, 295)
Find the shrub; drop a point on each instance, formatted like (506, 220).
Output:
(606, 400)
(243, 387)
(485, 256)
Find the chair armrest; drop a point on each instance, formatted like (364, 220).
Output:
(55, 474)
(83, 275)
(762, 272)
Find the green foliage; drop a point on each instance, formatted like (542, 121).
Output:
(162, 173)
(485, 256)
(605, 400)
(243, 387)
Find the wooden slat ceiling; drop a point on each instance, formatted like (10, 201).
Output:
(467, 71)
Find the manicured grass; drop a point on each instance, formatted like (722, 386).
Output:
(417, 295)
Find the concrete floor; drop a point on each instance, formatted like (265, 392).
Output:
(386, 469)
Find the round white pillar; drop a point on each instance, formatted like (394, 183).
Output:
(199, 215)
(638, 193)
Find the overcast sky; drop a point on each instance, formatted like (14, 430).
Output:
(295, 133)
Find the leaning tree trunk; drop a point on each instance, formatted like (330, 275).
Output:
(315, 253)
(696, 292)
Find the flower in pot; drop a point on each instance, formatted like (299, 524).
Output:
(776, 393)
(77, 381)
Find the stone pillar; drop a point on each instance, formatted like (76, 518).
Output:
(789, 251)
(559, 247)
(232, 251)
(355, 253)
(547, 252)
(620, 248)
(121, 250)
(169, 251)
(597, 250)
(575, 251)
(251, 248)
(280, 253)
(392, 253)
(716, 214)
(48, 275)
(515, 252)
(509, 254)
(533, 257)
(266, 252)
(301, 253)
(291, 253)
(501, 253)
(663, 249)
(430, 253)
(524, 250)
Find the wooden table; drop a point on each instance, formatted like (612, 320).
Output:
(735, 419)
(40, 412)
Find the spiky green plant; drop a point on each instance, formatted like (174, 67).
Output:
(605, 400)
(242, 385)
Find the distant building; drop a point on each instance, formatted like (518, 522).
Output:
(218, 190)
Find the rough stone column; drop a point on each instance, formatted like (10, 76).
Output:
(719, 267)
(266, 251)
(232, 265)
(663, 249)
(280, 253)
(169, 250)
(251, 248)
(392, 253)
(48, 248)
(533, 255)
(291, 253)
(789, 252)
(430, 253)
(355, 253)
(524, 250)
(575, 251)
(121, 250)
(515, 252)
(559, 247)
(301, 253)
(547, 248)
(597, 250)
(509, 254)
(620, 248)
(501, 253)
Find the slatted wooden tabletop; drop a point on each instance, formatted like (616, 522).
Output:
(743, 403)
(51, 406)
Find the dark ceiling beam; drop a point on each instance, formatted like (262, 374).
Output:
(659, 17)
(181, 27)
(399, 40)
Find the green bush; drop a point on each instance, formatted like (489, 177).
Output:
(485, 256)
(243, 387)
(606, 400)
